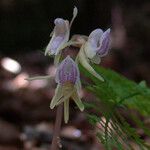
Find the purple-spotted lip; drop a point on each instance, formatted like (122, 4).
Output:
(67, 72)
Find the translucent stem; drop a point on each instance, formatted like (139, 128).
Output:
(55, 141)
(38, 78)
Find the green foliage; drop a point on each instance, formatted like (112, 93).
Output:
(114, 96)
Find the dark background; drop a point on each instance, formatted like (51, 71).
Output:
(25, 25)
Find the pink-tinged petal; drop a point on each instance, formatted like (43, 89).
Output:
(55, 44)
(61, 26)
(60, 36)
(105, 43)
(67, 72)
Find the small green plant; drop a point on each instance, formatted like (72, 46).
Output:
(116, 95)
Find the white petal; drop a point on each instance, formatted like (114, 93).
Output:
(89, 50)
(93, 43)
(78, 86)
(58, 95)
(65, 96)
(57, 59)
(77, 100)
(95, 36)
(83, 60)
(96, 59)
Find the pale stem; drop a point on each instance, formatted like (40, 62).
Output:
(56, 133)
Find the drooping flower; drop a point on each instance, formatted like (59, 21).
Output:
(60, 35)
(97, 46)
(68, 79)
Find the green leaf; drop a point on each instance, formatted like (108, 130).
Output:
(117, 92)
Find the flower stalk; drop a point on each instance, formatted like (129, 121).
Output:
(55, 141)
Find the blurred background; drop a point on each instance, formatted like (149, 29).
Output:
(26, 122)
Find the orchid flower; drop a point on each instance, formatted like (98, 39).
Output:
(60, 36)
(68, 79)
(97, 46)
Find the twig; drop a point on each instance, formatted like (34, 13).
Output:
(55, 141)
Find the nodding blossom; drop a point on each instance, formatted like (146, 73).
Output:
(97, 46)
(59, 38)
(68, 79)
(60, 35)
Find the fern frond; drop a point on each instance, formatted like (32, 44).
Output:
(114, 95)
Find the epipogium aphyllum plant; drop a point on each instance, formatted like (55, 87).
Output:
(114, 93)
